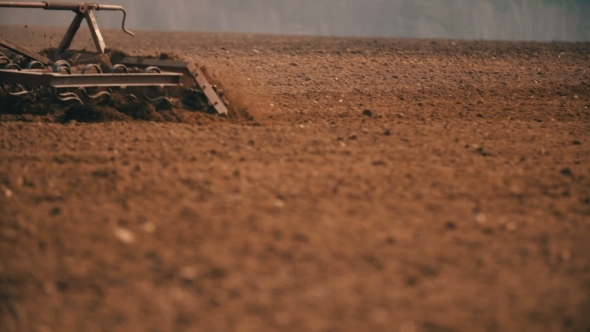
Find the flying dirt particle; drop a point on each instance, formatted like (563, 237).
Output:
(279, 203)
(368, 113)
(379, 163)
(352, 136)
(576, 142)
(124, 235)
(480, 218)
(387, 132)
(8, 193)
(294, 64)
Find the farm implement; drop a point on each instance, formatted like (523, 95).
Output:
(83, 77)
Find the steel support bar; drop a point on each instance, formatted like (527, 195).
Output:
(56, 80)
(95, 31)
(69, 36)
(180, 66)
(207, 89)
(24, 52)
(14, 4)
(75, 26)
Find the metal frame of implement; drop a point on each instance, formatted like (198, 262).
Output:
(186, 67)
(83, 11)
(58, 80)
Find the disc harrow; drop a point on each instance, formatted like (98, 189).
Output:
(28, 74)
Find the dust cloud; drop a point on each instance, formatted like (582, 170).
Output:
(540, 20)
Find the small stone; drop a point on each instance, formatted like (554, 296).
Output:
(387, 132)
(566, 172)
(480, 218)
(511, 226)
(379, 315)
(566, 255)
(408, 327)
(368, 113)
(450, 225)
(149, 227)
(124, 235)
(352, 136)
(279, 203)
(282, 318)
(189, 273)
(8, 192)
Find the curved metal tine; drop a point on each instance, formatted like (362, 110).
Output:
(157, 99)
(96, 95)
(4, 58)
(32, 64)
(132, 97)
(99, 93)
(61, 66)
(115, 68)
(152, 69)
(12, 65)
(22, 91)
(67, 96)
(92, 66)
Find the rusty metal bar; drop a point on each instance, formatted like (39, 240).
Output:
(14, 4)
(186, 67)
(95, 32)
(82, 10)
(24, 51)
(55, 80)
(70, 34)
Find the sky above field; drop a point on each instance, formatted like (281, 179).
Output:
(542, 20)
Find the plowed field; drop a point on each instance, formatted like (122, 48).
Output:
(383, 185)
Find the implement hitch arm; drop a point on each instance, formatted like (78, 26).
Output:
(83, 11)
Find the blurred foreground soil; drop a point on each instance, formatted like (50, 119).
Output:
(383, 185)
